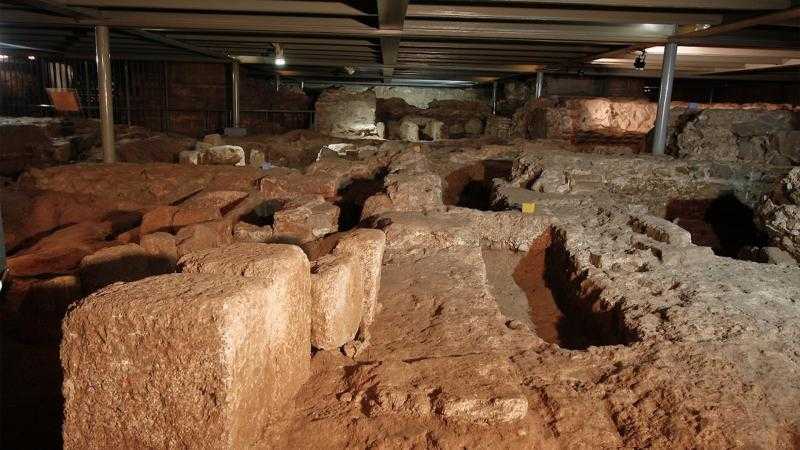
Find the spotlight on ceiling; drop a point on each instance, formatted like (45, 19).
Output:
(280, 59)
(31, 57)
(641, 61)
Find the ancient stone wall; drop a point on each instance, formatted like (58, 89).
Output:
(344, 113)
(752, 132)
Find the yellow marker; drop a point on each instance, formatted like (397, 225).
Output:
(529, 208)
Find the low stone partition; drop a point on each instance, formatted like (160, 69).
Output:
(194, 360)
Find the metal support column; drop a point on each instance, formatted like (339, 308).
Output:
(665, 98)
(127, 94)
(539, 84)
(235, 92)
(494, 97)
(104, 93)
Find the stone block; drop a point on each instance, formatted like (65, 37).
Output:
(182, 360)
(376, 204)
(213, 139)
(336, 300)
(414, 192)
(661, 230)
(172, 218)
(409, 131)
(189, 157)
(201, 236)
(367, 245)
(281, 183)
(305, 219)
(220, 200)
(163, 251)
(247, 232)
(434, 130)
(127, 262)
(256, 159)
(229, 155)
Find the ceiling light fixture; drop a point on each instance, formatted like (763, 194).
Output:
(280, 59)
(31, 57)
(3, 57)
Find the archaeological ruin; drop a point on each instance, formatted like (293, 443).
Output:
(394, 224)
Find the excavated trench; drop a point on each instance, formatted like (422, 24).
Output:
(724, 223)
(351, 198)
(543, 289)
(471, 186)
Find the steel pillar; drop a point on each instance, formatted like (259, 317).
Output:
(235, 92)
(2, 253)
(539, 84)
(665, 98)
(104, 93)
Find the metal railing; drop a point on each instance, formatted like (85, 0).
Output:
(140, 95)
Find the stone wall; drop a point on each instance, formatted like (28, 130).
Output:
(770, 136)
(754, 132)
(344, 113)
(422, 97)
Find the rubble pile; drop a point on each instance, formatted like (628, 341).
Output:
(779, 214)
(772, 137)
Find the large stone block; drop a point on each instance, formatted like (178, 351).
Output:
(305, 219)
(127, 262)
(182, 360)
(281, 183)
(230, 155)
(163, 250)
(172, 218)
(202, 236)
(368, 246)
(336, 300)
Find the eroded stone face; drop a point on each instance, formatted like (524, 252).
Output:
(337, 291)
(196, 360)
(367, 246)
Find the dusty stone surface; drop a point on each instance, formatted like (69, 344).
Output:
(173, 218)
(779, 214)
(220, 349)
(368, 247)
(337, 291)
(31, 214)
(61, 251)
(230, 155)
(247, 232)
(202, 236)
(304, 219)
(128, 262)
(163, 251)
(282, 183)
(751, 135)
(153, 184)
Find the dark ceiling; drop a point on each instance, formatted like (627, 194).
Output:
(397, 40)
